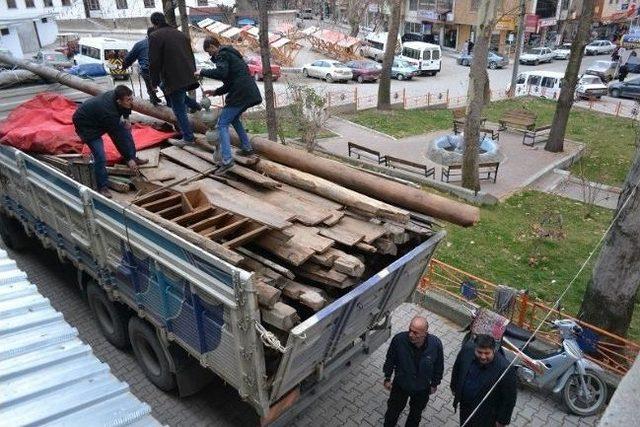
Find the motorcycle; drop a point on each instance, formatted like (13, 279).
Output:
(563, 370)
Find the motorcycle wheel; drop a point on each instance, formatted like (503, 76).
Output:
(582, 405)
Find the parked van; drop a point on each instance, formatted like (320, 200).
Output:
(545, 84)
(375, 45)
(425, 56)
(106, 51)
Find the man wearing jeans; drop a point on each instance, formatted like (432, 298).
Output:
(242, 94)
(140, 52)
(171, 62)
(107, 113)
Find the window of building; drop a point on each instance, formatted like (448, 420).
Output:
(203, 2)
(94, 5)
(149, 3)
(412, 27)
(29, 3)
(48, 3)
(427, 5)
(475, 4)
(4, 31)
(413, 5)
(66, 2)
(11, 4)
(122, 4)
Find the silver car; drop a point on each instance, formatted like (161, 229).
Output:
(606, 70)
(329, 70)
(599, 47)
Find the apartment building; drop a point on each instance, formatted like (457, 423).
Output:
(432, 18)
(126, 9)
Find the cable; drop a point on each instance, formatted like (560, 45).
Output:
(542, 322)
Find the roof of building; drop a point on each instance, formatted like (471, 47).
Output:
(48, 374)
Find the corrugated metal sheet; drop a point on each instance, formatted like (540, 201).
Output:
(48, 376)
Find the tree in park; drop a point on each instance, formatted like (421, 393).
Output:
(267, 75)
(555, 143)
(384, 87)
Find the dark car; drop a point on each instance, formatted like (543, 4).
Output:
(364, 70)
(628, 89)
(633, 64)
(494, 60)
(416, 37)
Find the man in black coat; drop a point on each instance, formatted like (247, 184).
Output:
(107, 113)
(171, 62)
(476, 369)
(415, 359)
(242, 94)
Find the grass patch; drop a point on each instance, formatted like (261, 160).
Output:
(258, 125)
(403, 123)
(507, 246)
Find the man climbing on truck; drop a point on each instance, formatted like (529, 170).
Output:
(107, 113)
(242, 94)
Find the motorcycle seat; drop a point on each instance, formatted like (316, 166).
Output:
(518, 333)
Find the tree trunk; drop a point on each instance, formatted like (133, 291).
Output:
(267, 75)
(169, 12)
(478, 93)
(518, 51)
(555, 143)
(184, 19)
(384, 88)
(612, 291)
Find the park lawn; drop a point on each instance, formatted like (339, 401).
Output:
(609, 139)
(258, 125)
(505, 248)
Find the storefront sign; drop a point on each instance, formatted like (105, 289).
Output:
(530, 23)
(506, 23)
(428, 14)
(547, 22)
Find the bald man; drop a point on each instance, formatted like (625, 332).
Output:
(412, 371)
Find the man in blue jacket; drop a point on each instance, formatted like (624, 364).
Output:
(140, 52)
(416, 363)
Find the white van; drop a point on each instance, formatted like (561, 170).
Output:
(545, 84)
(425, 56)
(375, 45)
(102, 50)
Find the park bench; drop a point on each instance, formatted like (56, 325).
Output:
(459, 118)
(525, 122)
(358, 151)
(487, 171)
(396, 163)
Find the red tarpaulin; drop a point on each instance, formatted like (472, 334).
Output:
(43, 125)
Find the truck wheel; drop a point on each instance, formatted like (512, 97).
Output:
(110, 317)
(400, 76)
(149, 354)
(493, 65)
(12, 233)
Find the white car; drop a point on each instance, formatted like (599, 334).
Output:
(537, 55)
(563, 51)
(329, 70)
(599, 47)
(590, 87)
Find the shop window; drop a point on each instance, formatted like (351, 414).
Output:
(11, 4)
(413, 5)
(29, 3)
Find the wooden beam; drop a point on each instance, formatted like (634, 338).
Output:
(329, 277)
(343, 236)
(171, 212)
(227, 229)
(246, 237)
(312, 297)
(194, 216)
(268, 296)
(157, 205)
(281, 316)
(290, 252)
(209, 222)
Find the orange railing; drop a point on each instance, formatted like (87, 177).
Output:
(613, 353)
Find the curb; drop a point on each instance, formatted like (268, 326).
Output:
(364, 128)
(558, 164)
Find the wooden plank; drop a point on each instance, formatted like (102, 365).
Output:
(185, 158)
(151, 197)
(285, 250)
(370, 230)
(279, 269)
(342, 235)
(120, 187)
(171, 212)
(246, 237)
(157, 205)
(312, 297)
(281, 316)
(365, 247)
(151, 154)
(209, 222)
(157, 174)
(195, 216)
(121, 171)
(340, 261)
(329, 277)
(227, 229)
(308, 236)
(268, 296)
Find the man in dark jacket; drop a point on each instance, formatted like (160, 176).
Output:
(242, 94)
(171, 62)
(107, 113)
(140, 52)
(476, 369)
(416, 362)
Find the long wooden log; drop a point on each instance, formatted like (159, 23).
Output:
(386, 190)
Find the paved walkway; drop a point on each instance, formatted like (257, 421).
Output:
(358, 400)
(521, 166)
(562, 184)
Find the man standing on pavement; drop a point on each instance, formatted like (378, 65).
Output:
(107, 113)
(242, 94)
(171, 62)
(415, 359)
(476, 369)
(140, 52)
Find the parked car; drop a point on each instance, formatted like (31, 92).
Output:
(256, 70)
(628, 89)
(416, 37)
(54, 59)
(494, 60)
(329, 70)
(590, 87)
(536, 56)
(599, 47)
(403, 70)
(633, 64)
(364, 70)
(562, 52)
(606, 70)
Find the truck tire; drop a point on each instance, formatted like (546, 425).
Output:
(150, 355)
(110, 317)
(12, 233)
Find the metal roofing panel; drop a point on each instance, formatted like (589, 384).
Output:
(47, 374)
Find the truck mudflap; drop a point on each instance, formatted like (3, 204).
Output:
(317, 340)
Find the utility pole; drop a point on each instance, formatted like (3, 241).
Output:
(519, 41)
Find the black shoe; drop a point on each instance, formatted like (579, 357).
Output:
(224, 168)
(248, 153)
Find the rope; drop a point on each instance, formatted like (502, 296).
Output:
(557, 303)
(268, 338)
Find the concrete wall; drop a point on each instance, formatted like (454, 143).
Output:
(47, 31)
(11, 41)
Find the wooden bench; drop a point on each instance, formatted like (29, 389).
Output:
(534, 133)
(460, 117)
(394, 162)
(521, 120)
(487, 171)
(359, 151)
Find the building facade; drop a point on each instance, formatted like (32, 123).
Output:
(434, 19)
(126, 9)
(28, 25)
